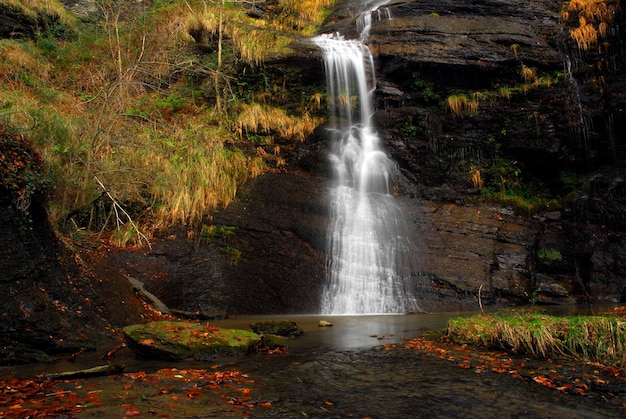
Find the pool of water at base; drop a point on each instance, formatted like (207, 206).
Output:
(341, 371)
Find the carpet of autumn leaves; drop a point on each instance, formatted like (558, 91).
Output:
(221, 391)
(163, 394)
(561, 374)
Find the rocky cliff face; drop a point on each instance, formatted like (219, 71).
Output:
(531, 110)
(548, 129)
(532, 113)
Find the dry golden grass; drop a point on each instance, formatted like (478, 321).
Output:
(456, 104)
(595, 10)
(475, 178)
(586, 35)
(257, 118)
(593, 338)
(460, 105)
(51, 7)
(300, 16)
(529, 75)
(182, 177)
(252, 39)
(99, 113)
(594, 20)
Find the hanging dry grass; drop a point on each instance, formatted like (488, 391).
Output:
(595, 19)
(595, 10)
(456, 104)
(254, 45)
(529, 74)
(586, 35)
(257, 118)
(475, 178)
(251, 40)
(188, 174)
(460, 105)
(300, 16)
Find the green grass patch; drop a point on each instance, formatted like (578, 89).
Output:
(592, 338)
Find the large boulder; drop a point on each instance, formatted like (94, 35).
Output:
(187, 341)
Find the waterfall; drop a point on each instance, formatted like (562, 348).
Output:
(370, 252)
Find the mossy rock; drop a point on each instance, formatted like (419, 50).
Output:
(277, 327)
(187, 340)
(272, 341)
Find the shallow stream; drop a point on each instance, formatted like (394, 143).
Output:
(358, 368)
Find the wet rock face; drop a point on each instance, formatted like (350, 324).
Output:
(470, 249)
(468, 35)
(468, 254)
(271, 261)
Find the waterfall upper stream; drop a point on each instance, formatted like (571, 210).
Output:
(371, 256)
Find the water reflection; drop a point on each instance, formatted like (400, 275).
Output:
(350, 332)
(343, 371)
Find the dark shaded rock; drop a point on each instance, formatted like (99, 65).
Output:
(553, 290)
(595, 226)
(98, 371)
(278, 223)
(272, 341)
(277, 327)
(51, 303)
(464, 248)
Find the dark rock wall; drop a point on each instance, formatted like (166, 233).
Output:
(566, 118)
(432, 50)
(468, 250)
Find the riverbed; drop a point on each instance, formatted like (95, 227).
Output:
(362, 366)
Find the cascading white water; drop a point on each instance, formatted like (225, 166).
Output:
(370, 252)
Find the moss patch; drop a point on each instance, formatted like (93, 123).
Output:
(186, 340)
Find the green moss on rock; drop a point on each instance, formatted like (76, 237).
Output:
(187, 340)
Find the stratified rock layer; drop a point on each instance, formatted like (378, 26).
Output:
(544, 110)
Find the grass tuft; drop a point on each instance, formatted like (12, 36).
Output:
(599, 339)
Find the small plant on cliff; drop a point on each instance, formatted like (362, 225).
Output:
(475, 178)
(213, 231)
(461, 104)
(549, 255)
(233, 252)
(529, 74)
